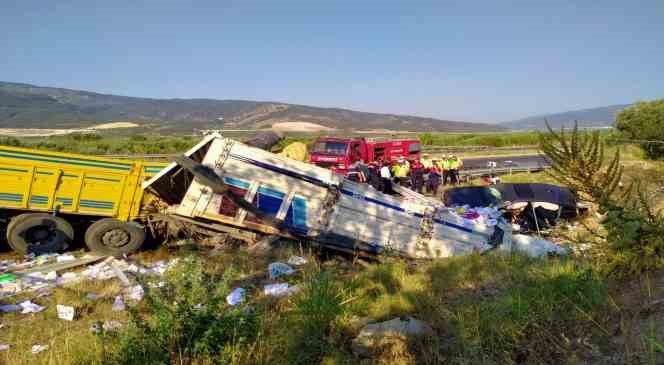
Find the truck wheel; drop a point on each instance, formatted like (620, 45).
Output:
(111, 236)
(39, 233)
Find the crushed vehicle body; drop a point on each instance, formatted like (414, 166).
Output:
(532, 205)
(226, 185)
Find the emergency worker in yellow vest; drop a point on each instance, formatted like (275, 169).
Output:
(401, 171)
(455, 165)
(444, 165)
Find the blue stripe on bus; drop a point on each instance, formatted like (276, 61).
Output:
(319, 182)
(236, 182)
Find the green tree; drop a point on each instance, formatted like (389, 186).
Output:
(644, 121)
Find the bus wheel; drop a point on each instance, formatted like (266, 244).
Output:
(39, 233)
(111, 236)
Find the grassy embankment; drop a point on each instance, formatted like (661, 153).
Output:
(494, 308)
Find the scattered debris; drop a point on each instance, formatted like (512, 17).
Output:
(280, 289)
(68, 278)
(7, 278)
(112, 325)
(236, 296)
(135, 292)
(107, 326)
(65, 312)
(91, 296)
(65, 258)
(118, 304)
(38, 348)
(296, 260)
(374, 334)
(263, 246)
(120, 275)
(277, 269)
(9, 308)
(4, 347)
(30, 307)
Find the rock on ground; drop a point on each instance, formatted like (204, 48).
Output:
(376, 334)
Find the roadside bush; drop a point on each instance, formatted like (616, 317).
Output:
(85, 137)
(635, 231)
(315, 310)
(10, 141)
(185, 321)
(644, 121)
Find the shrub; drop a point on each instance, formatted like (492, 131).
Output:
(319, 304)
(644, 121)
(635, 232)
(185, 321)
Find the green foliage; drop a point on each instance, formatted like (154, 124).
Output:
(315, 310)
(635, 232)
(644, 121)
(541, 300)
(479, 139)
(185, 320)
(577, 160)
(11, 141)
(96, 144)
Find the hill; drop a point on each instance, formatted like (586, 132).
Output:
(604, 116)
(30, 106)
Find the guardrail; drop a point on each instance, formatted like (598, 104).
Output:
(426, 148)
(469, 174)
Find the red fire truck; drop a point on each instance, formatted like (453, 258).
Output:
(338, 154)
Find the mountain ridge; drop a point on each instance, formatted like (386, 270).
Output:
(597, 117)
(32, 106)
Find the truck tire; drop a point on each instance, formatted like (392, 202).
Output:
(113, 237)
(39, 233)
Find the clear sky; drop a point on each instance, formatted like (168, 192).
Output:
(464, 60)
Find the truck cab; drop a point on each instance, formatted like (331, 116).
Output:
(338, 154)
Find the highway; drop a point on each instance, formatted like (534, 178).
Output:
(523, 161)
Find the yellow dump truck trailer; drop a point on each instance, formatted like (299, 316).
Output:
(47, 197)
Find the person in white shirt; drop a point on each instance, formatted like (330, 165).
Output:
(386, 178)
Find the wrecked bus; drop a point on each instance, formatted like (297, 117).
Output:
(226, 184)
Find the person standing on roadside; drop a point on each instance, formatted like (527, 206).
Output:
(455, 164)
(444, 165)
(417, 176)
(386, 178)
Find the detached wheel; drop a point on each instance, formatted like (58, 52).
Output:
(39, 233)
(111, 236)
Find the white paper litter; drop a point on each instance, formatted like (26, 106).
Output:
(68, 278)
(296, 260)
(4, 347)
(280, 289)
(65, 258)
(30, 307)
(277, 269)
(38, 348)
(136, 293)
(65, 312)
(118, 304)
(235, 297)
(111, 325)
(91, 296)
(120, 274)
